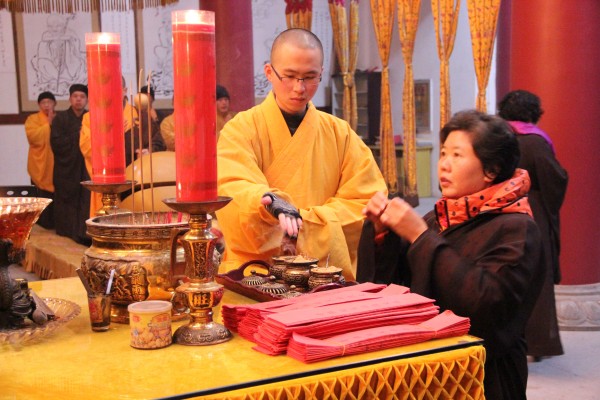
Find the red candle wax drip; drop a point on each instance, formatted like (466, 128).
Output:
(106, 111)
(195, 110)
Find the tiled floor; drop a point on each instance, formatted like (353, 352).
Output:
(574, 375)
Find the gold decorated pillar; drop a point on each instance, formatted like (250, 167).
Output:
(483, 18)
(408, 22)
(298, 14)
(382, 12)
(445, 20)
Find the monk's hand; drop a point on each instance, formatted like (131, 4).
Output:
(288, 215)
(401, 218)
(51, 115)
(375, 207)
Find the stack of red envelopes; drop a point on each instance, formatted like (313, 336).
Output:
(358, 312)
(245, 319)
(350, 320)
(311, 349)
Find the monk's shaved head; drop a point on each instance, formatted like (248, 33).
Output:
(300, 38)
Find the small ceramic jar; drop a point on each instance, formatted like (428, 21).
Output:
(279, 265)
(298, 274)
(323, 275)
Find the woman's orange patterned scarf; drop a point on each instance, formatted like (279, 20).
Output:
(505, 197)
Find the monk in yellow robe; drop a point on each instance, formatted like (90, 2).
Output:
(85, 143)
(224, 114)
(167, 130)
(292, 169)
(40, 159)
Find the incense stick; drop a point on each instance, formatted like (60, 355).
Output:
(110, 281)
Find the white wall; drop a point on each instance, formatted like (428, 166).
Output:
(463, 84)
(13, 143)
(268, 18)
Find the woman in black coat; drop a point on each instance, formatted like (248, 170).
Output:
(522, 110)
(478, 253)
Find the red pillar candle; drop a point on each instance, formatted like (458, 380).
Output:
(103, 52)
(195, 81)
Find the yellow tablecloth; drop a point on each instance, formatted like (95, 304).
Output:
(75, 362)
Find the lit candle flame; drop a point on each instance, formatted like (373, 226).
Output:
(107, 38)
(192, 17)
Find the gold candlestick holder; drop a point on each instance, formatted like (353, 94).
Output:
(201, 293)
(110, 195)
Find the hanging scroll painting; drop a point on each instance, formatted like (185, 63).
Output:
(51, 54)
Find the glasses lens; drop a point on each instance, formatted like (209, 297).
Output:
(291, 81)
(312, 81)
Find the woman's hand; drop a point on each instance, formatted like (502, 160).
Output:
(403, 220)
(375, 207)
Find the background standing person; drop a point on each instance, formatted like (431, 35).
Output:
(156, 140)
(167, 131)
(223, 112)
(478, 253)
(40, 160)
(523, 110)
(156, 115)
(71, 199)
(292, 168)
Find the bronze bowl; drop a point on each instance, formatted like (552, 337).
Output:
(17, 216)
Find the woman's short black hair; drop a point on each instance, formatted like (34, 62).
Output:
(494, 142)
(520, 105)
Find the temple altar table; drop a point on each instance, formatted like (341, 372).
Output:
(74, 362)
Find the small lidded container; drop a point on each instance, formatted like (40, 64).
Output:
(253, 280)
(273, 287)
(298, 271)
(150, 324)
(320, 276)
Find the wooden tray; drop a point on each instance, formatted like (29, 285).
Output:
(232, 281)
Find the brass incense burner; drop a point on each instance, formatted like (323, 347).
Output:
(201, 292)
(138, 247)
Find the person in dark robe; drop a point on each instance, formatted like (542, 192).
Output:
(71, 199)
(147, 124)
(522, 110)
(478, 253)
